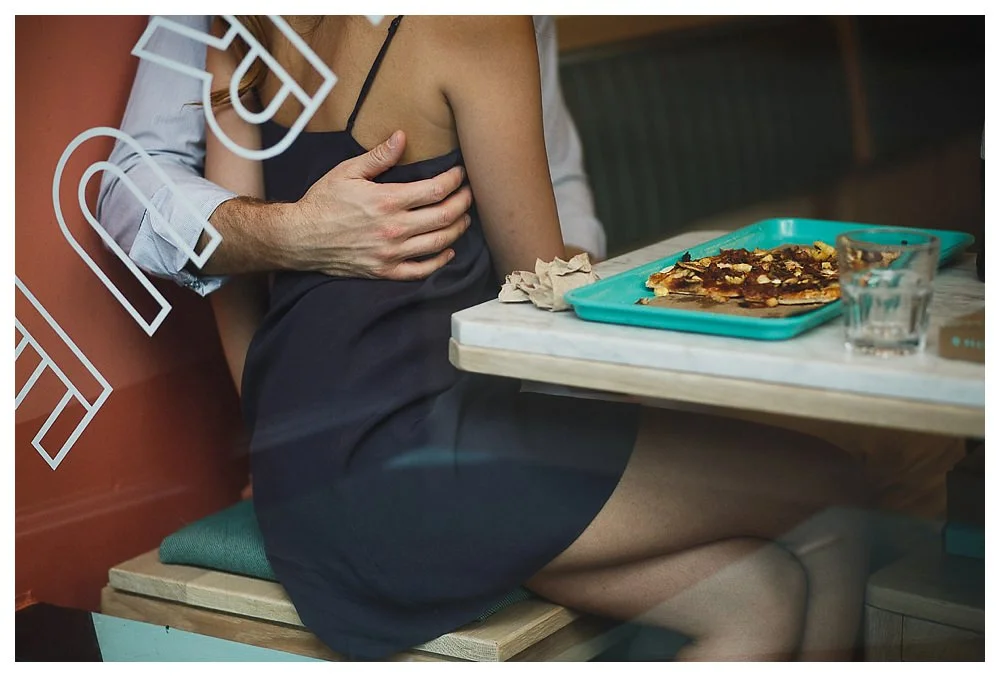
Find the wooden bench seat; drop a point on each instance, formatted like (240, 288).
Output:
(258, 612)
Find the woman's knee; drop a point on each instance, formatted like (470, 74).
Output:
(760, 592)
(761, 608)
(839, 532)
(774, 586)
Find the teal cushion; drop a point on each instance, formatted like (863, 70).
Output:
(230, 541)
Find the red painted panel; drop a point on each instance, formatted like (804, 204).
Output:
(167, 446)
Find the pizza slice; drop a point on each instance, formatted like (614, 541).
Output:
(716, 277)
(787, 275)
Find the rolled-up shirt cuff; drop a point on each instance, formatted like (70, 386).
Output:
(155, 248)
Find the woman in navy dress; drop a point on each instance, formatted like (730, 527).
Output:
(400, 498)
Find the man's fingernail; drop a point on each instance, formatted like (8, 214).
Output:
(394, 140)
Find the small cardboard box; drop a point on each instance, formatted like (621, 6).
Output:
(964, 338)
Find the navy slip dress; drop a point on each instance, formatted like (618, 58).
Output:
(398, 497)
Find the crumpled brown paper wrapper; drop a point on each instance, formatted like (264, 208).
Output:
(550, 282)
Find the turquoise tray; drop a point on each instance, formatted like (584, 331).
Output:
(614, 300)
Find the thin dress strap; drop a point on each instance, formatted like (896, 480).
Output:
(371, 73)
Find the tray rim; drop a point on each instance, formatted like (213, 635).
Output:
(730, 325)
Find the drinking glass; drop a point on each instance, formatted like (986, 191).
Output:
(885, 285)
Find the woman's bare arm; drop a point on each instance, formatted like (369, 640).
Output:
(492, 84)
(239, 306)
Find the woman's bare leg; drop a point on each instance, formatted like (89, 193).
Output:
(694, 480)
(833, 548)
(741, 599)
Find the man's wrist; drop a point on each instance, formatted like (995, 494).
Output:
(255, 237)
(273, 230)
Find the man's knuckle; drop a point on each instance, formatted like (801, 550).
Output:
(388, 203)
(390, 232)
(384, 255)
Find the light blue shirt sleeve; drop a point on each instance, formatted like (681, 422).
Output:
(577, 219)
(164, 117)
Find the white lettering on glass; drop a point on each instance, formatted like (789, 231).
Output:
(24, 340)
(199, 259)
(289, 86)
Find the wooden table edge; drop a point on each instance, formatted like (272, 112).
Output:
(723, 392)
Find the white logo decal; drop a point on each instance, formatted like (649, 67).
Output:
(149, 327)
(256, 51)
(25, 339)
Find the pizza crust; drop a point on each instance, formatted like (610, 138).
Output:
(810, 296)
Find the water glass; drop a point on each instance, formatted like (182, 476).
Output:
(885, 285)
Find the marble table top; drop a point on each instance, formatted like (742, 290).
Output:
(816, 359)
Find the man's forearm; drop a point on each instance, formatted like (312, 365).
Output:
(251, 237)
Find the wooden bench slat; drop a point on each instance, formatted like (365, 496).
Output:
(505, 633)
(216, 590)
(581, 640)
(264, 634)
(498, 638)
